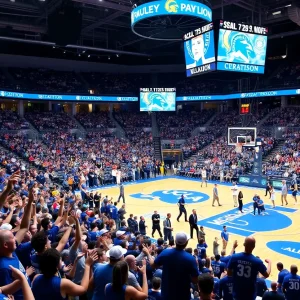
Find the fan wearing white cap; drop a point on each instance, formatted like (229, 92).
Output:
(103, 273)
(120, 237)
(179, 269)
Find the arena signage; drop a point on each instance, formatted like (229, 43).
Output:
(17, 95)
(240, 95)
(171, 7)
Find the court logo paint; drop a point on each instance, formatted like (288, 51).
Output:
(288, 248)
(247, 224)
(172, 196)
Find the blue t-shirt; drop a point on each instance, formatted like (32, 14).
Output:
(245, 268)
(225, 259)
(261, 286)
(216, 289)
(154, 295)
(178, 268)
(102, 276)
(281, 276)
(6, 274)
(291, 284)
(23, 252)
(35, 262)
(226, 287)
(225, 235)
(46, 288)
(52, 233)
(3, 297)
(114, 212)
(218, 267)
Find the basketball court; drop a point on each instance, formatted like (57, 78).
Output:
(276, 233)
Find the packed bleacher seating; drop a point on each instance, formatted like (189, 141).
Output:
(180, 125)
(131, 119)
(285, 162)
(45, 80)
(51, 121)
(287, 116)
(288, 75)
(98, 120)
(10, 120)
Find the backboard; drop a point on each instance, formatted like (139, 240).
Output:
(241, 135)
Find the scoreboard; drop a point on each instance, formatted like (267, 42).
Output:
(226, 46)
(241, 47)
(245, 109)
(199, 50)
(157, 99)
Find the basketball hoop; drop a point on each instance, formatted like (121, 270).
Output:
(239, 148)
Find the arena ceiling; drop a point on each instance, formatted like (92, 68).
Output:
(106, 25)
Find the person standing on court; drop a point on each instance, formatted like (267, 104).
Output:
(142, 226)
(284, 192)
(240, 200)
(201, 233)
(122, 193)
(244, 268)
(204, 176)
(181, 205)
(272, 192)
(216, 195)
(156, 223)
(168, 228)
(225, 237)
(235, 192)
(193, 219)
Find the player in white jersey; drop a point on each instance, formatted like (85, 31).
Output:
(204, 177)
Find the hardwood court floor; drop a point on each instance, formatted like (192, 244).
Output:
(281, 224)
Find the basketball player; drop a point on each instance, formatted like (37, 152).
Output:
(204, 176)
(294, 193)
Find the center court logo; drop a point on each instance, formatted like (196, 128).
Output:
(171, 6)
(172, 196)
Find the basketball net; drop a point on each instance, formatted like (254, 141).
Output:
(239, 148)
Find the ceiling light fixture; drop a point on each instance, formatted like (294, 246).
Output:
(276, 13)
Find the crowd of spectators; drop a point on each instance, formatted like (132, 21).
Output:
(51, 121)
(286, 161)
(133, 119)
(288, 116)
(87, 245)
(201, 140)
(46, 80)
(10, 120)
(95, 120)
(288, 75)
(180, 125)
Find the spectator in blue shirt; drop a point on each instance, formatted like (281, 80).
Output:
(155, 293)
(225, 237)
(205, 285)
(218, 266)
(282, 273)
(291, 284)
(226, 286)
(179, 269)
(244, 268)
